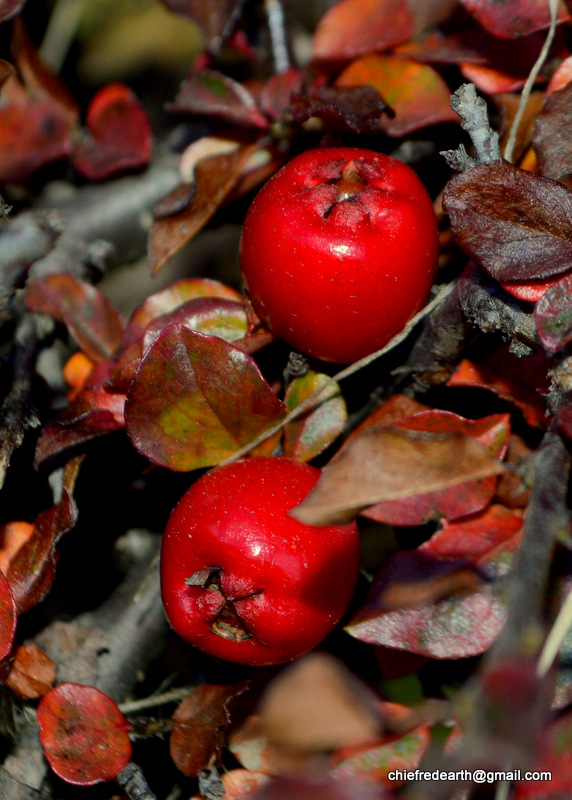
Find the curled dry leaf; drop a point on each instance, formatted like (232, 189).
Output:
(92, 321)
(31, 569)
(516, 225)
(200, 724)
(84, 734)
(215, 178)
(386, 463)
(32, 673)
(196, 400)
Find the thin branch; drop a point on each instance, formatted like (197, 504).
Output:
(511, 141)
(156, 700)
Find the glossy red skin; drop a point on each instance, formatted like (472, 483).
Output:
(337, 274)
(296, 580)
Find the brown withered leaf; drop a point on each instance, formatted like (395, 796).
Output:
(552, 137)
(32, 569)
(199, 726)
(386, 463)
(215, 178)
(32, 674)
(516, 225)
(316, 705)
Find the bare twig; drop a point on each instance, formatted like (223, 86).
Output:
(511, 141)
(475, 120)
(132, 780)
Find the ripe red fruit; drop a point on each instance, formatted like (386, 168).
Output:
(243, 580)
(339, 250)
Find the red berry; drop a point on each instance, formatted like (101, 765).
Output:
(339, 250)
(243, 580)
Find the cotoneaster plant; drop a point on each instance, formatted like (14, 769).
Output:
(339, 250)
(243, 580)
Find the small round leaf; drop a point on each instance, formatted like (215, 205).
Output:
(84, 734)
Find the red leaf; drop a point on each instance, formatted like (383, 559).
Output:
(555, 757)
(457, 501)
(41, 83)
(370, 766)
(8, 618)
(33, 135)
(158, 305)
(513, 18)
(440, 614)
(119, 135)
(211, 93)
(522, 381)
(84, 734)
(353, 27)
(415, 92)
(196, 400)
(89, 316)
